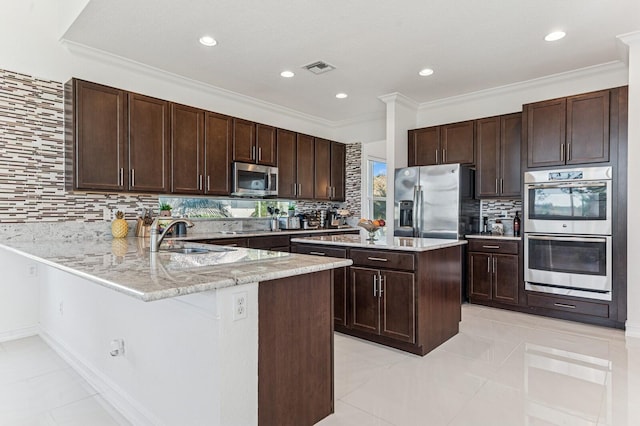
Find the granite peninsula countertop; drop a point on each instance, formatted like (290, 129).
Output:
(127, 266)
(399, 243)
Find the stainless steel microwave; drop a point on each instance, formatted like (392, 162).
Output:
(254, 180)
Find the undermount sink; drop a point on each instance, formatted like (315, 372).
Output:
(197, 250)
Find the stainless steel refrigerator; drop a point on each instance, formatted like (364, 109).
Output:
(435, 202)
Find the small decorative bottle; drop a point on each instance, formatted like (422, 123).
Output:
(516, 225)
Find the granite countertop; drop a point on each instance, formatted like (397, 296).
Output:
(256, 233)
(494, 237)
(127, 266)
(399, 243)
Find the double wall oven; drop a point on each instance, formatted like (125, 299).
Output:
(568, 232)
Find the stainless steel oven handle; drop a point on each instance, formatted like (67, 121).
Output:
(575, 239)
(566, 185)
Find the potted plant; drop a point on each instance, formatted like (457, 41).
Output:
(292, 210)
(165, 210)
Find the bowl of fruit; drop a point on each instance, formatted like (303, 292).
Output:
(371, 226)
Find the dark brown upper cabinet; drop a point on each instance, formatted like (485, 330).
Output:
(498, 141)
(200, 151)
(295, 165)
(446, 144)
(329, 170)
(148, 144)
(572, 130)
(97, 140)
(254, 143)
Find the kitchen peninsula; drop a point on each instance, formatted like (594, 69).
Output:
(405, 294)
(220, 336)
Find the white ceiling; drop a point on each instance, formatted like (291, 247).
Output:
(378, 47)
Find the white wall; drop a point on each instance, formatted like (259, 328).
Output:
(18, 296)
(633, 196)
(185, 362)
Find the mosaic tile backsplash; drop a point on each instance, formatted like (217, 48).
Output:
(32, 189)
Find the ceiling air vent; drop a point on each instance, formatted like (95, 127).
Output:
(319, 67)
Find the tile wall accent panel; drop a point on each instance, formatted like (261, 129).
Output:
(496, 209)
(32, 159)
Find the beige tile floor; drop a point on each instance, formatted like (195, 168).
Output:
(504, 368)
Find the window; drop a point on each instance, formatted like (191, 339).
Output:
(377, 193)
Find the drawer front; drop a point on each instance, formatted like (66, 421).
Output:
(383, 259)
(568, 305)
(321, 250)
(494, 246)
(268, 242)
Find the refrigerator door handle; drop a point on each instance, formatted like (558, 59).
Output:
(417, 210)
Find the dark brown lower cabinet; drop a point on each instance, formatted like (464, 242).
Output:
(383, 302)
(295, 350)
(494, 271)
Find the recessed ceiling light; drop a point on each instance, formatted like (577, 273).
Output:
(554, 36)
(208, 41)
(425, 72)
(341, 95)
(287, 74)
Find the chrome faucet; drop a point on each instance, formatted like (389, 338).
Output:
(156, 239)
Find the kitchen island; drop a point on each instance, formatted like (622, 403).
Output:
(222, 336)
(405, 294)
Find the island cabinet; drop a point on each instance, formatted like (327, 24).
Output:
(494, 272)
(406, 300)
(295, 165)
(200, 151)
(446, 144)
(571, 130)
(340, 291)
(329, 174)
(498, 141)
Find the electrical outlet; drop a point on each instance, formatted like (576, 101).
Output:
(239, 305)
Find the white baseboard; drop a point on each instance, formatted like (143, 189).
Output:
(20, 333)
(632, 330)
(125, 405)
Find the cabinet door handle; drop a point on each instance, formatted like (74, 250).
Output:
(295, 189)
(501, 186)
(208, 182)
(491, 247)
(252, 154)
(488, 265)
(379, 259)
(436, 156)
(199, 182)
(496, 186)
(562, 152)
(375, 283)
(564, 305)
(133, 177)
(121, 177)
(568, 151)
(444, 156)
(317, 253)
(383, 285)
(259, 154)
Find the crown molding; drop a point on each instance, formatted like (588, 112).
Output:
(608, 67)
(400, 99)
(144, 69)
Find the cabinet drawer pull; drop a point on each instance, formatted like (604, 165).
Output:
(317, 253)
(491, 247)
(379, 259)
(564, 305)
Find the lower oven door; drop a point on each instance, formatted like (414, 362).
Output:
(569, 265)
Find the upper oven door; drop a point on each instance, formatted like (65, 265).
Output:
(568, 207)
